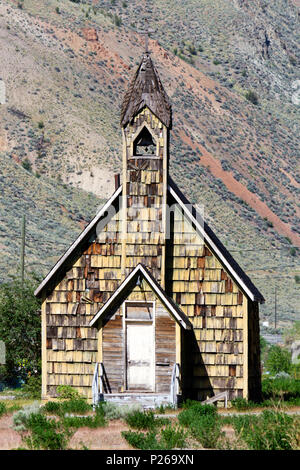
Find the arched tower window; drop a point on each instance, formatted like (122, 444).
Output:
(144, 144)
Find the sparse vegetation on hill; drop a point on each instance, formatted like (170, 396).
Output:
(66, 74)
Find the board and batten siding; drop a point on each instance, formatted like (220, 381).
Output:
(114, 348)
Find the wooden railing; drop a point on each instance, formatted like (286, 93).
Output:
(97, 385)
(174, 389)
(218, 397)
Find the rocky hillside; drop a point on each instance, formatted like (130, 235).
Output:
(230, 68)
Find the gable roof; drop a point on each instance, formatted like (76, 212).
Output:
(146, 90)
(122, 291)
(213, 242)
(209, 237)
(62, 262)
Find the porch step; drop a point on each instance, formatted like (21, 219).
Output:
(220, 396)
(147, 400)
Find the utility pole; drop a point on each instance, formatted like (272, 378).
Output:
(275, 307)
(23, 233)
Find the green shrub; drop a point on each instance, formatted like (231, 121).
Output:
(66, 391)
(203, 423)
(96, 421)
(3, 408)
(142, 441)
(117, 20)
(53, 407)
(172, 437)
(280, 388)
(23, 351)
(142, 419)
(73, 405)
(278, 360)
(114, 411)
(21, 417)
(26, 164)
(241, 403)
(252, 97)
(76, 405)
(199, 408)
(273, 430)
(168, 438)
(241, 422)
(33, 387)
(193, 410)
(45, 433)
(207, 430)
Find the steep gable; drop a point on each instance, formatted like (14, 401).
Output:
(146, 90)
(87, 236)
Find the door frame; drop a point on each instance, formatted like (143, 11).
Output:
(125, 321)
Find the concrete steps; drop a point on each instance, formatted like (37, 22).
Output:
(146, 400)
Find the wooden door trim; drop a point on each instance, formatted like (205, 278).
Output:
(125, 321)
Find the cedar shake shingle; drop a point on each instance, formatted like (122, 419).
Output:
(146, 90)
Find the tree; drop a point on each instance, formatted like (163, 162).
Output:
(278, 360)
(20, 329)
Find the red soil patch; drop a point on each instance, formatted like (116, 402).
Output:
(241, 191)
(90, 34)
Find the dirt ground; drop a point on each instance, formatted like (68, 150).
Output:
(106, 438)
(9, 438)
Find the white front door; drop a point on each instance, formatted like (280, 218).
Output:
(140, 356)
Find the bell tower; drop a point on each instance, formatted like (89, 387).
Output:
(146, 122)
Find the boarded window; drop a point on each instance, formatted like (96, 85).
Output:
(232, 371)
(139, 311)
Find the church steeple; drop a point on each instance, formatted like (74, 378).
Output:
(146, 122)
(146, 90)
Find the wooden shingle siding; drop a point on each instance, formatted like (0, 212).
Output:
(144, 199)
(213, 303)
(71, 342)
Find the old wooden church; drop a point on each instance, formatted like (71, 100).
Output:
(147, 303)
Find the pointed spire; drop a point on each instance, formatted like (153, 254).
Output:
(146, 90)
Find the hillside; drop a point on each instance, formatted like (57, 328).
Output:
(66, 66)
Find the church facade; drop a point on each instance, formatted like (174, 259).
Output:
(147, 302)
